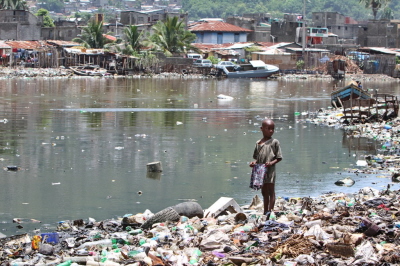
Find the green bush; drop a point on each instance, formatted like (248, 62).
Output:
(300, 64)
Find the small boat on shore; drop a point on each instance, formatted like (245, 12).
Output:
(256, 69)
(89, 70)
(351, 91)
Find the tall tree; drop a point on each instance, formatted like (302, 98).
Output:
(375, 5)
(171, 37)
(92, 35)
(133, 37)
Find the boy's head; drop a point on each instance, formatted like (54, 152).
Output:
(267, 128)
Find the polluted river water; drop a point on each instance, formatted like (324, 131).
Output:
(81, 145)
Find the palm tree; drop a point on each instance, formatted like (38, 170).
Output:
(387, 13)
(13, 5)
(375, 5)
(92, 35)
(171, 37)
(133, 38)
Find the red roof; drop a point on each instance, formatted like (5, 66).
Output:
(109, 37)
(216, 26)
(29, 45)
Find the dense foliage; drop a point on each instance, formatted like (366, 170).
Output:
(47, 20)
(356, 9)
(13, 4)
(92, 35)
(56, 6)
(171, 37)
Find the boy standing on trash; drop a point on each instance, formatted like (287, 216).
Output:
(267, 153)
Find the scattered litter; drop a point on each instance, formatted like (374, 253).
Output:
(224, 97)
(337, 228)
(12, 168)
(347, 182)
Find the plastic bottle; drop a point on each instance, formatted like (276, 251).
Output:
(65, 263)
(104, 242)
(272, 216)
(194, 259)
(135, 232)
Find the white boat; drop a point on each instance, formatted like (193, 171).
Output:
(89, 70)
(256, 69)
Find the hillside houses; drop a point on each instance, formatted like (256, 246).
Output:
(251, 36)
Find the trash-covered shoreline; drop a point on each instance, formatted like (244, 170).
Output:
(22, 72)
(333, 229)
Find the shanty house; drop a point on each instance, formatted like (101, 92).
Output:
(218, 32)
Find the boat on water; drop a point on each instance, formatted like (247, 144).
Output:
(351, 91)
(89, 70)
(256, 69)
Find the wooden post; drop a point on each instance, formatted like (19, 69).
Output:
(153, 175)
(154, 167)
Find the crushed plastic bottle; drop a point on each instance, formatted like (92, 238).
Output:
(194, 258)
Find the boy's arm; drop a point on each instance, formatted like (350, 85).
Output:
(273, 162)
(255, 154)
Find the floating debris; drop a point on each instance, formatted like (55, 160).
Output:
(347, 182)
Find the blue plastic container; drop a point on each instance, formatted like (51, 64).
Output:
(50, 237)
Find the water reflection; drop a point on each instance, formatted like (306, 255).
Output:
(94, 137)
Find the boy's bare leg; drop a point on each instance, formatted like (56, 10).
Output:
(268, 192)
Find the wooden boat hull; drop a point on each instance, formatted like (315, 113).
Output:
(349, 92)
(89, 71)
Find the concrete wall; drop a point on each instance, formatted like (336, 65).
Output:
(336, 23)
(212, 37)
(380, 33)
(282, 61)
(19, 25)
(284, 31)
(246, 23)
(64, 33)
(262, 34)
(135, 17)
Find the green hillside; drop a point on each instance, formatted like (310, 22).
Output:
(223, 8)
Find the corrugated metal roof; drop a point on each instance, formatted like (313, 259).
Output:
(84, 51)
(272, 52)
(226, 52)
(307, 49)
(240, 45)
(27, 45)
(62, 43)
(378, 49)
(3, 45)
(216, 26)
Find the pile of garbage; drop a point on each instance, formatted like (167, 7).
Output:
(350, 65)
(332, 229)
(34, 72)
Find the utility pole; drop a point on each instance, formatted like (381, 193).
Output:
(303, 38)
